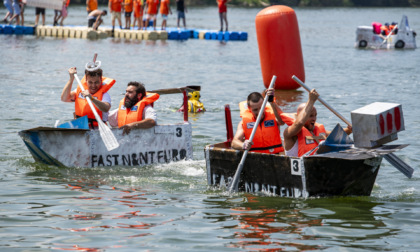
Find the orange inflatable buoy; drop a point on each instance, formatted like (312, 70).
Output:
(279, 46)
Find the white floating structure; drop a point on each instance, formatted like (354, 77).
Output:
(402, 38)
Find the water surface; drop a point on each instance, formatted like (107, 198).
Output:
(169, 207)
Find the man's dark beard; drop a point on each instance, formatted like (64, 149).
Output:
(128, 103)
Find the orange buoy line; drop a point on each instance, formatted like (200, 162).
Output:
(279, 46)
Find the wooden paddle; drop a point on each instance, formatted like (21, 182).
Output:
(105, 132)
(176, 90)
(235, 181)
(391, 157)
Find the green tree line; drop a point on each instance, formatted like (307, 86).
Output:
(297, 3)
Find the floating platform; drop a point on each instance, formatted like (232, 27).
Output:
(133, 33)
(17, 30)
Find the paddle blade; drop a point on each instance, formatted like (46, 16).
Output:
(107, 136)
(403, 167)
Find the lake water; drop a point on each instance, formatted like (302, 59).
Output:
(169, 207)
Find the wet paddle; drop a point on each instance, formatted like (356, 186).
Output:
(235, 181)
(391, 157)
(105, 132)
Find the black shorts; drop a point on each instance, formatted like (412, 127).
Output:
(91, 22)
(127, 14)
(39, 11)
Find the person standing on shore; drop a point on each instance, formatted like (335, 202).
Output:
(152, 10)
(8, 5)
(165, 10)
(61, 14)
(39, 11)
(16, 12)
(128, 8)
(138, 13)
(115, 7)
(22, 5)
(181, 9)
(223, 13)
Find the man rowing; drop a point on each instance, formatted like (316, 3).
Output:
(304, 133)
(96, 88)
(267, 136)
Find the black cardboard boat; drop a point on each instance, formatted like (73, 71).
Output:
(338, 169)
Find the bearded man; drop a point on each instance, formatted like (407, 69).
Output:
(135, 110)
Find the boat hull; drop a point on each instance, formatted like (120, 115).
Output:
(323, 175)
(85, 148)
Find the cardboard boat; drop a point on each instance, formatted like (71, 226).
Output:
(403, 38)
(340, 166)
(84, 148)
(73, 144)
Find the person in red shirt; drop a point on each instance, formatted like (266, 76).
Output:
(165, 10)
(152, 10)
(115, 7)
(138, 13)
(223, 12)
(128, 7)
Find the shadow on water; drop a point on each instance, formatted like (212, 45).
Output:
(272, 223)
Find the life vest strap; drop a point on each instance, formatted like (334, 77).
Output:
(267, 148)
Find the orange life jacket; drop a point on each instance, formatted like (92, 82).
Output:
(385, 30)
(135, 114)
(306, 145)
(391, 27)
(82, 107)
(267, 136)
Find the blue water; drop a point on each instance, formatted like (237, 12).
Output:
(169, 207)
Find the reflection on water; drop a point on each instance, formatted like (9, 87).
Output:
(273, 224)
(286, 98)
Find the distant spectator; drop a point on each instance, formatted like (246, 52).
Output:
(8, 5)
(61, 14)
(57, 16)
(22, 5)
(128, 8)
(39, 11)
(152, 9)
(91, 5)
(223, 13)
(138, 13)
(165, 10)
(181, 10)
(115, 7)
(64, 12)
(95, 18)
(16, 12)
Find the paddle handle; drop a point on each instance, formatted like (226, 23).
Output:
(322, 101)
(94, 58)
(92, 107)
(235, 180)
